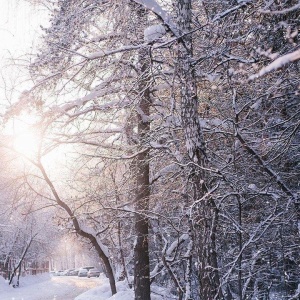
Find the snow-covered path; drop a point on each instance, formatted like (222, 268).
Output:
(55, 288)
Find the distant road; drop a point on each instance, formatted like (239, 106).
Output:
(56, 288)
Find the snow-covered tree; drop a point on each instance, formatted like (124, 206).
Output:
(181, 119)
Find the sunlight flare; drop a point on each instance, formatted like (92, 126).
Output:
(27, 143)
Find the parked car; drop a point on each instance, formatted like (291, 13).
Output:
(59, 273)
(68, 272)
(93, 273)
(83, 271)
(74, 272)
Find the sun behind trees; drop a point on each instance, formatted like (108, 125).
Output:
(180, 167)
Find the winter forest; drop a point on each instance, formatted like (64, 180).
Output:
(163, 136)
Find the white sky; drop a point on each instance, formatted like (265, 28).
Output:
(19, 31)
(19, 26)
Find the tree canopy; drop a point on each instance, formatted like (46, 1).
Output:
(169, 140)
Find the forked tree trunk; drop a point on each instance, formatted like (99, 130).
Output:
(18, 267)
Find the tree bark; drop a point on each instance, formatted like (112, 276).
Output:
(203, 221)
(141, 249)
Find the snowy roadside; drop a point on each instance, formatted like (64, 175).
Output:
(24, 282)
(44, 287)
(103, 292)
(27, 283)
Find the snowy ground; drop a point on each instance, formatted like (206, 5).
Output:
(44, 287)
(102, 292)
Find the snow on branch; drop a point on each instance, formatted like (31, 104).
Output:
(84, 100)
(176, 243)
(164, 171)
(90, 231)
(230, 10)
(104, 53)
(153, 6)
(283, 11)
(277, 64)
(154, 32)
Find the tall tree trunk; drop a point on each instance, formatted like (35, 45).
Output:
(141, 250)
(204, 220)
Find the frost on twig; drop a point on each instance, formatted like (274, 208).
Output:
(277, 64)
